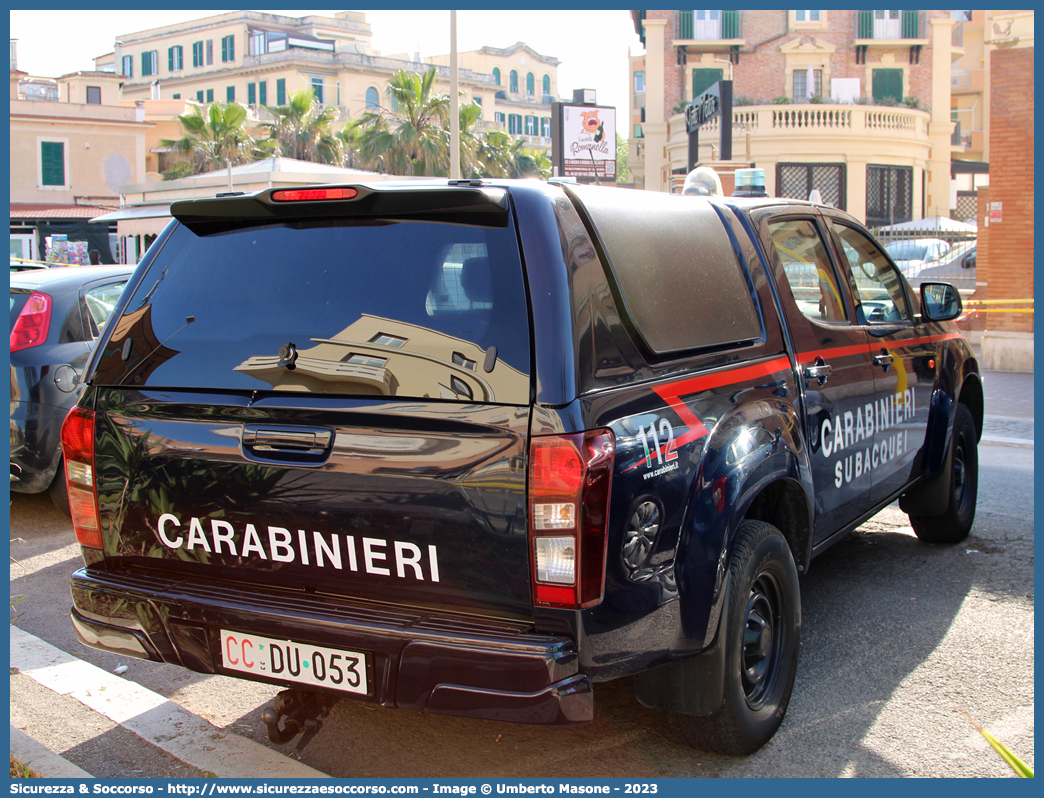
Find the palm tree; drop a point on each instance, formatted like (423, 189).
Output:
(412, 138)
(215, 137)
(349, 136)
(303, 129)
(501, 155)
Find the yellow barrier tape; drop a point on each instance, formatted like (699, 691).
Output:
(999, 302)
(1001, 310)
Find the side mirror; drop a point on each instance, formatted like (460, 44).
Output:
(940, 302)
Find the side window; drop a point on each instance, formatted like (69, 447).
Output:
(808, 270)
(876, 283)
(100, 302)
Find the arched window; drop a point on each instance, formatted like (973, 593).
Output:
(530, 84)
(547, 85)
(373, 99)
(513, 86)
(496, 75)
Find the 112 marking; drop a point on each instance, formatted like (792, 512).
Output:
(664, 451)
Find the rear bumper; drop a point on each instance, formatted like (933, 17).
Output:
(438, 662)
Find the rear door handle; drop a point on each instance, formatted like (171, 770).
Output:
(884, 360)
(819, 370)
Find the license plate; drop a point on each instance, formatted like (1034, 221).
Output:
(331, 668)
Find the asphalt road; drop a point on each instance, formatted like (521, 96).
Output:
(900, 639)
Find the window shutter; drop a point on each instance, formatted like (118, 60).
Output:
(703, 79)
(262, 92)
(910, 26)
(52, 163)
(684, 25)
(224, 49)
(866, 24)
(281, 91)
(730, 24)
(170, 59)
(251, 93)
(146, 62)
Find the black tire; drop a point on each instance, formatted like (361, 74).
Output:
(954, 525)
(59, 490)
(761, 647)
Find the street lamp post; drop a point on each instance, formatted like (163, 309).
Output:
(454, 102)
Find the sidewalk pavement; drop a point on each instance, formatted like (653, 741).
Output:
(187, 745)
(1009, 408)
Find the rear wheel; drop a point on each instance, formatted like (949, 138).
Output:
(763, 636)
(954, 525)
(59, 490)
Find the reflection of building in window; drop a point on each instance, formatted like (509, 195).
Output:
(462, 361)
(460, 388)
(364, 360)
(388, 340)
(381, 356)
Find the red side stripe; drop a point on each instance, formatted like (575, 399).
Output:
(672, 392)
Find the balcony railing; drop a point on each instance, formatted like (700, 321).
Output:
(726, 26)
(839, 122)
(374, 62)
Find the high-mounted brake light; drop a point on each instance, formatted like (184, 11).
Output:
(78, 450)
(306, 194)
(33, 323)
(569, 481)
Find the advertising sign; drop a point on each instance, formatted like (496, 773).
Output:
(588, 142)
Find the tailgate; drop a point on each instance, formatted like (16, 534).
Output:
(419, 504)
(326, 395)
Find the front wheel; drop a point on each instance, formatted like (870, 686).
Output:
(954, 525)
(763, 638)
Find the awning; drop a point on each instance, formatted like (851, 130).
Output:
(44, 210)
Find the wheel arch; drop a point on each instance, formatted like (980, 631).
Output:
(971, 395)
(784, 504)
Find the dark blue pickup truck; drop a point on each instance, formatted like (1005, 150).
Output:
(473, 446)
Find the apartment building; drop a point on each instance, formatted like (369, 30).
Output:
(525, 84)
(853, 103)
(71, 149)
(259, 59)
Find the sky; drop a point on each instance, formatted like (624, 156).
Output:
(591, 45)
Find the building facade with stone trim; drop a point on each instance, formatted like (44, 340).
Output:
(854, 103)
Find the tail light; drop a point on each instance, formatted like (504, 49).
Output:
(33, 323)
(78, 449)
(310, 194)
(569, 480)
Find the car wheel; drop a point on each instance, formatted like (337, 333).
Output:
(763, 638)
(59, 490)
(954, 525)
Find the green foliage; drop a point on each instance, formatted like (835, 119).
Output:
(782, 99)
(912, 102)
(889, 102)
(215, 137)
(738, 101)
(303, 129)
(1022, 770)
(816, 98)
(623, 174)
(680, 106)
(413, 138)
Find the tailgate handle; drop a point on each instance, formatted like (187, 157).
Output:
(287, 439)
